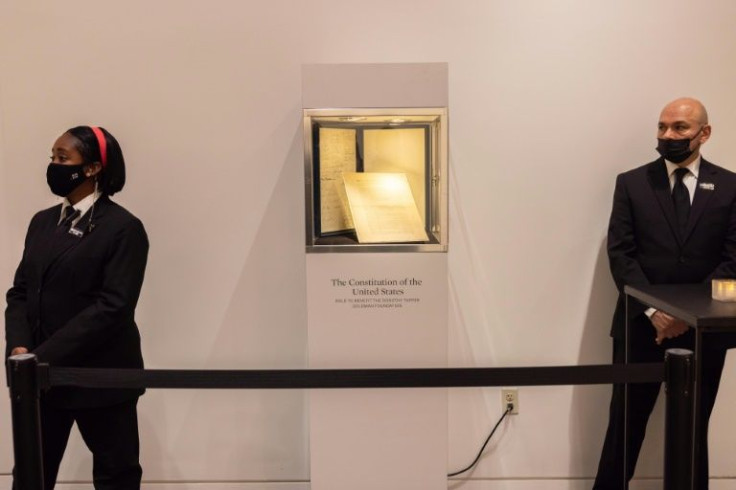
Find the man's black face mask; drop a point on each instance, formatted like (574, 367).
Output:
(676, 151)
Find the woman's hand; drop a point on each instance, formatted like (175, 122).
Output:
(18, 350)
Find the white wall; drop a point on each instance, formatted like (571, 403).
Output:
(548, 102)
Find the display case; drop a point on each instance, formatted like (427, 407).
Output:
(376, 179)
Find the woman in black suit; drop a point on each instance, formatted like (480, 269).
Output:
(73, 301)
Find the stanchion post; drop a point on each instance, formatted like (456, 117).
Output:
(678, 436)
(24, 396)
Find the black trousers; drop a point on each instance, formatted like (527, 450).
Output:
(642, 398)
(110, 433)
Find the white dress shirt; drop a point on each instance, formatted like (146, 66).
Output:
(82, 206)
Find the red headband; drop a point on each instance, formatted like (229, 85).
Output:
(102, 143)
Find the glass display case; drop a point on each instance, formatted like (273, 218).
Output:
(376, 179)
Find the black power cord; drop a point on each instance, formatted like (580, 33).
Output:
(509, 408)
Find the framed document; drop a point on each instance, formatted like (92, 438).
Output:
(351, 153)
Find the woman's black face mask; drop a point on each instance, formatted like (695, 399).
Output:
(63, 179)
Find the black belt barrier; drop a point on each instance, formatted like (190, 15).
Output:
(27, 378)
(350, 378)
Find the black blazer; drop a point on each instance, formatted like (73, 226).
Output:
(73, 298)
(644, 244)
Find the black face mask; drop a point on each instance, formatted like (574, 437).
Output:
(63, 179)
(676, 151)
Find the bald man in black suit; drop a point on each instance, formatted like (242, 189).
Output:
(673, 222)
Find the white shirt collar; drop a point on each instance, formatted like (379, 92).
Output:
(693, 167)
(82, 206)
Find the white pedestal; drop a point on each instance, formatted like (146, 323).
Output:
(379, 310)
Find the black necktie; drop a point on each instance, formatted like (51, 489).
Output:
(69, 215)
(681, 199)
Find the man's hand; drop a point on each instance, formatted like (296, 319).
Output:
(18, 350)
(667, 326)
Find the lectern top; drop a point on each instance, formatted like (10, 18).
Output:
(690, 302)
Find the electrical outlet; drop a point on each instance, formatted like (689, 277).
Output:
(510, 396)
